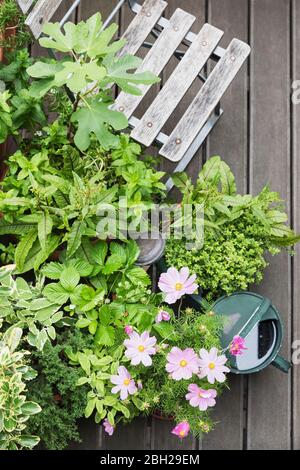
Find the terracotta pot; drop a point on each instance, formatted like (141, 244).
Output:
(10, 31)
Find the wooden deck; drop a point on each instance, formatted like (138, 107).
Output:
(259, 137)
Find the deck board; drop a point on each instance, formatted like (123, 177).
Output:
(269, 405)
(296, 219)
(230, 140)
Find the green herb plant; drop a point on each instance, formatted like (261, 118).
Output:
(11, 17)
(238, 231)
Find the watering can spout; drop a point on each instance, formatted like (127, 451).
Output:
(281, 364)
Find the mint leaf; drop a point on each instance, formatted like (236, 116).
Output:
(45, 225)
(75, 236)
(23, 248)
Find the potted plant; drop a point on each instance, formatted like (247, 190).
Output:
(238, 231)
(13, 32)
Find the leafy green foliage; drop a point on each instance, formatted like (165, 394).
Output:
(5, 116)
(24, 306)
(93, 118)
(50, 196)
(103, 288)
(89, 69)
(238, 230)
(55, 389)
(26, 112)
(15, 409)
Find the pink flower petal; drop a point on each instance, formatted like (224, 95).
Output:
(173, 274)
(184, 274)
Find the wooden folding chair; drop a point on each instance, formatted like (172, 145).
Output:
(204, 111)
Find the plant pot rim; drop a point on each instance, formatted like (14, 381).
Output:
(159, 415)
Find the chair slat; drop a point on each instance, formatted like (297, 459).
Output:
(205, 101)
(141, 25)
(177, 85)
(25, 5)
(158, 56)
(41, 13)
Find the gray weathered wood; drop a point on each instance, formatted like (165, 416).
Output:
(177, 85)
(142, 25)
(39, 51)
(198, 9)
(296, 212)
(229, 139)
(133, 436)
(40, 14)
(158, 56)
(269, 404)
(25, 5)
(205, 101)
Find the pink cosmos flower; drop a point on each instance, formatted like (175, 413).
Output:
(128, 329)
(237, 346)
(140, 348)
(181, 430)
(162, 316)
(177, 283)
(123, 383)
(182, 364)
(109, 428)
(198, 397)
(212, 366)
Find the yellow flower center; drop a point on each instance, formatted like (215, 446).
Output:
(141, 348)
(178, 286)
(183, 363)
(181, 433)
(126, 382)
(211, 365)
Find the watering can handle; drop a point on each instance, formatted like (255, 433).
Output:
(281, 364)
(257, 315)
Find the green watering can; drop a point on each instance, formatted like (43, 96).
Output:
(254, 318)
